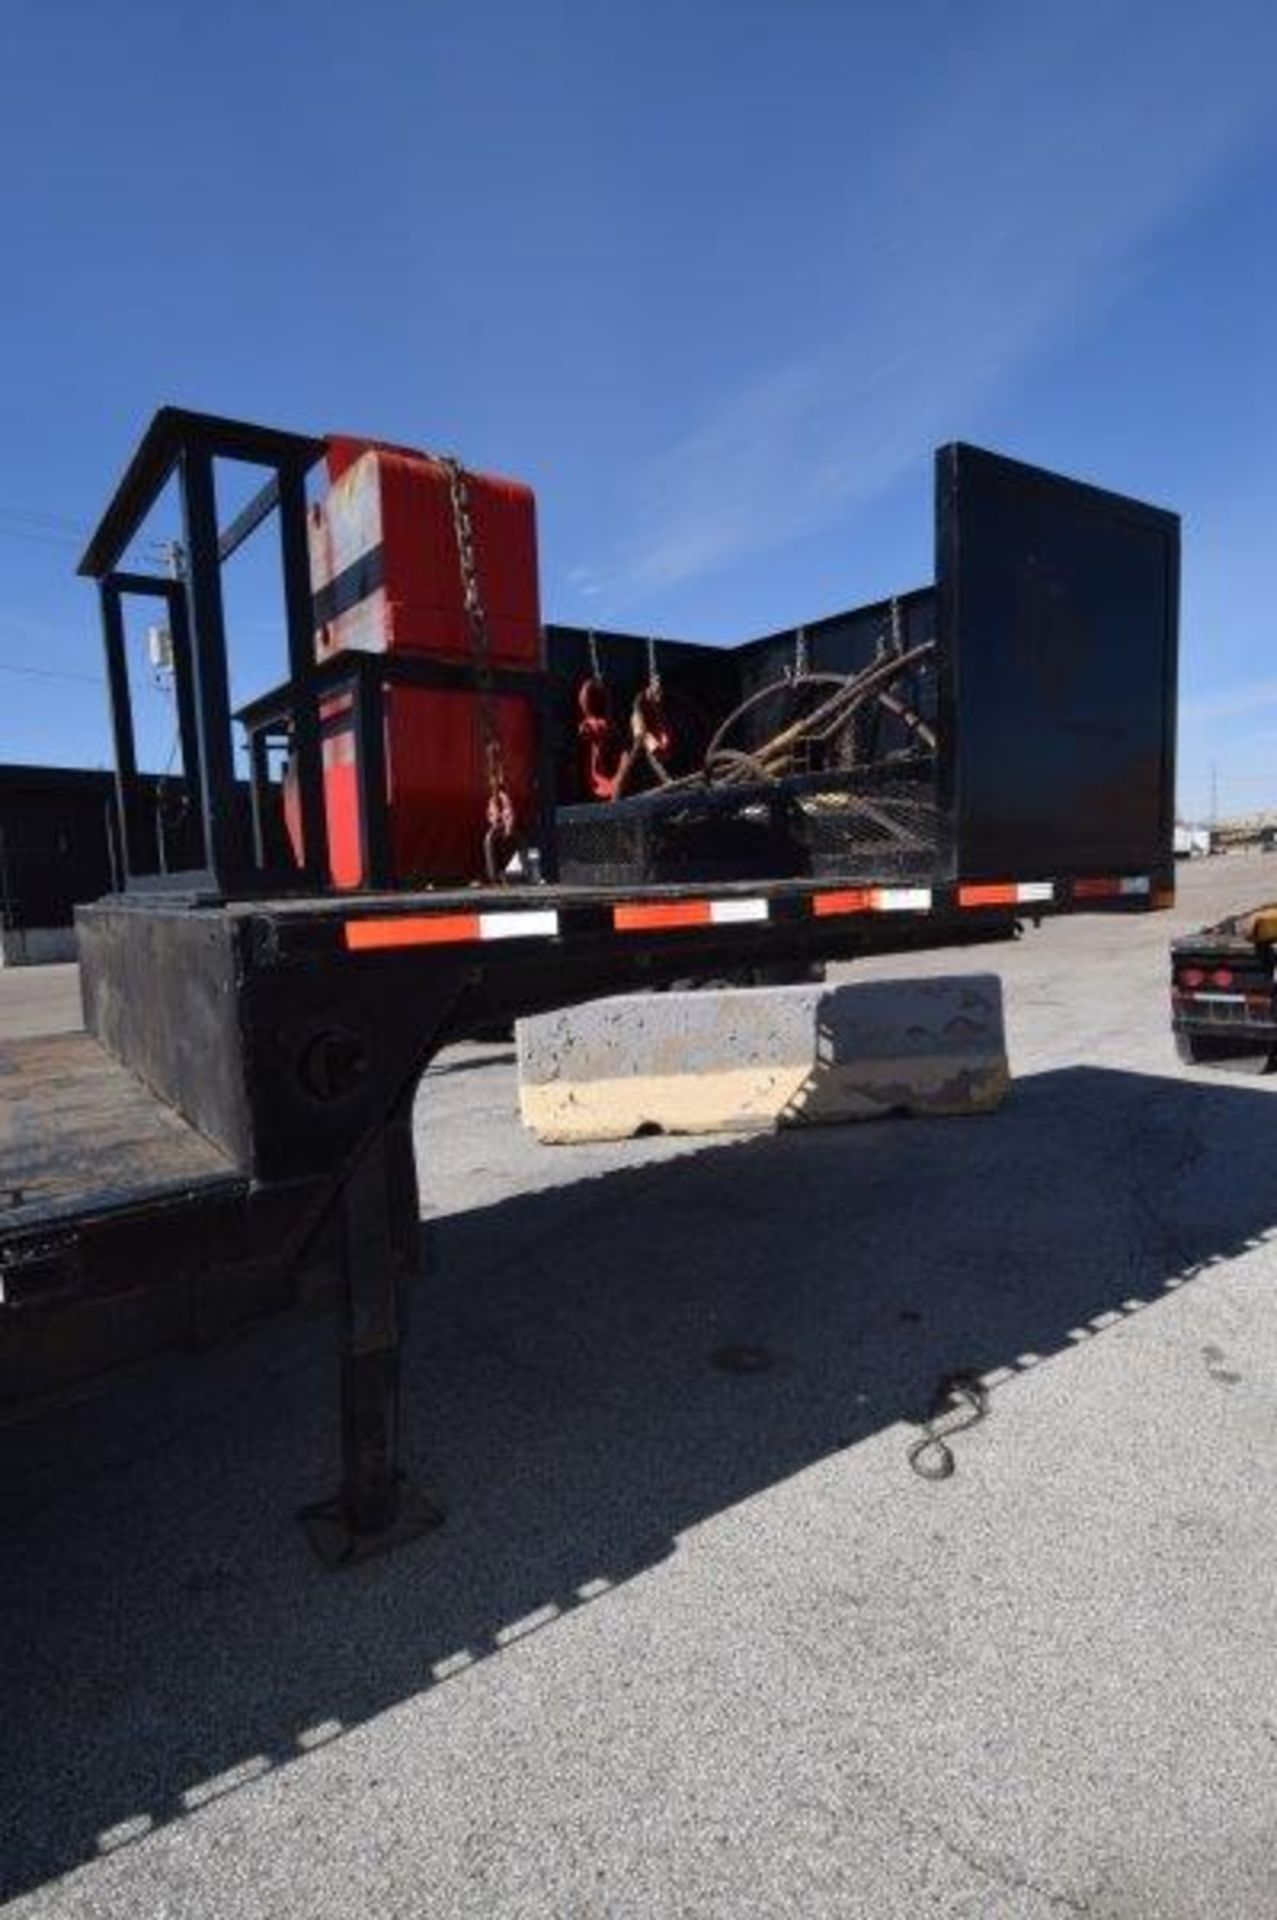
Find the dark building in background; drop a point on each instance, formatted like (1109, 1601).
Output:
(58, 849)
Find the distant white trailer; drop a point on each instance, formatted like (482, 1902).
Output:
(1190, 842)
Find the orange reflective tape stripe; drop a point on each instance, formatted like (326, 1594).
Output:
(1000, 893)
(653, 915)
(412, 930)
(849, 900)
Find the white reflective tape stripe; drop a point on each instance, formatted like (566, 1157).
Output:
(1221, 999)
(518, 926)
(1138, 883)
(1035, 890)
(902, 899)
(727, 913)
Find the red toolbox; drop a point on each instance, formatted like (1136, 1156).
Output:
(384, 564)
(387, 579)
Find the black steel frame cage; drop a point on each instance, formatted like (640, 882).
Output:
(186, 445)
(236, 863)
(239, 857)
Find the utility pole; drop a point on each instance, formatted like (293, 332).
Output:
(1214, 793)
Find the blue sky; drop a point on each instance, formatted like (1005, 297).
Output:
(714, 278)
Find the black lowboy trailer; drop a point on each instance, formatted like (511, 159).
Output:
(239, 1109)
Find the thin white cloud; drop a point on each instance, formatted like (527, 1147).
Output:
(583, 582)
(1023, 194)
(1230, 703)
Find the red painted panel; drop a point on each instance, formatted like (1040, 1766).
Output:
(436, 782)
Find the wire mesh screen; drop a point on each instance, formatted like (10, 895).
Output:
(864, 824)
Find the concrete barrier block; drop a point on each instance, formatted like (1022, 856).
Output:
(753, 1059)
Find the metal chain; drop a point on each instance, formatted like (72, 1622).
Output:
(596, 670)
(653, 676)
(800, 654)
(476, 616)
(500, 812)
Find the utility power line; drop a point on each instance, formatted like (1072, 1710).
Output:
(58, 530)
(42, 536)
(71, 521)
(53, 673)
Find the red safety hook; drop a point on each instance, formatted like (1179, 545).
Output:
(502, 840)
(600, 739)
(650, 725)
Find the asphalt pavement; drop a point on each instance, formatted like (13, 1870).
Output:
(697, 1641)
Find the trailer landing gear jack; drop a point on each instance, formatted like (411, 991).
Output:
(376, 1507)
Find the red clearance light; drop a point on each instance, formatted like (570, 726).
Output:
(1192, 977)
(1222, 977)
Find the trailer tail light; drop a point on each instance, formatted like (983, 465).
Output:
(1192, 978)
(1222, 977)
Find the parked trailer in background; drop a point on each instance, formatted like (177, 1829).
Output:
(1224, 990)
(240, 1107)
(1191, 843)
(59, 849)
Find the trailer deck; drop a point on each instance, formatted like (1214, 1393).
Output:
(114, 1211)
(81, 1138)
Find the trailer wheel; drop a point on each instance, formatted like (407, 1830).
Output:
(1218, 1049)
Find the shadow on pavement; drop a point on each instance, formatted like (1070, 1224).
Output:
(166, 1636)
